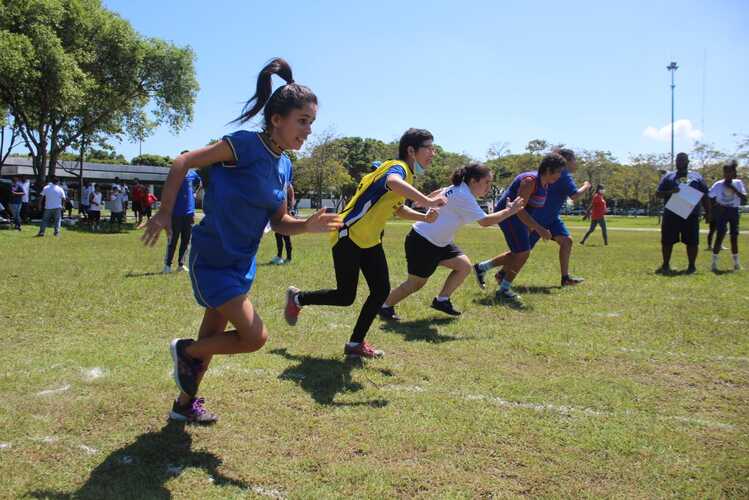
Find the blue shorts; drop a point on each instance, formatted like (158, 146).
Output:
(516, 234)
(215, 286)
(557, 228)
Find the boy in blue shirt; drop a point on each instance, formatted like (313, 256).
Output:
(183, 217)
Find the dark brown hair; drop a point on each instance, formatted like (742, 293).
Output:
(472, 171)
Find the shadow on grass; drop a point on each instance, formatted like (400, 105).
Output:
(323, 378)
(534, 289)
(131, 274)
(141, 469)
(491, 301)
(422, 330)
(105, 228)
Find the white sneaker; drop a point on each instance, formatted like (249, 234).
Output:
(182, 269)
(167, 269)
(276, 260)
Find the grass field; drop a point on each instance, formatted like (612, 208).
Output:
(631, 385)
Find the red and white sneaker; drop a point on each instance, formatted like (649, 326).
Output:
(362, 350)
(291, 311)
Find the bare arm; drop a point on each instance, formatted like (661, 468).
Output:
(319, 222)
(219, 152)
(397, 185)
(586, 185)
(512, 208)
(407, 213)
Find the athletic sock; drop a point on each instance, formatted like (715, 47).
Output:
(485, 265)
(440, 298)
(296, 300)
(505, 286)
(715, 259)
(735, 258)
(565, 277)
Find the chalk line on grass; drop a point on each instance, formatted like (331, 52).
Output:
(59, 390)
(91, 374)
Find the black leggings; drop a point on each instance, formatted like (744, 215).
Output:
(593, 224)
(348, 259)
(181, 229)
(280, 240)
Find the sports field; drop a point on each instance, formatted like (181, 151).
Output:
(630, 385)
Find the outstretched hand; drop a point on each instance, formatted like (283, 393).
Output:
(157, 223)
(544, 233)
(437, 201)
(322, 222)
(516, 205)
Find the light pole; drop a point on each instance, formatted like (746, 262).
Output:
(672, 68)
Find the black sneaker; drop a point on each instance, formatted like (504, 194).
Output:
(691, 270)
(664, 270)
(571, 280)
(388, 314)
(509, 298)
(480, 276)
(184, 374)
(193, 413)
(445, 306)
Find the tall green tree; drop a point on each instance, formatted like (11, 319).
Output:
(71, 69)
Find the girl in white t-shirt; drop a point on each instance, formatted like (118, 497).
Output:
(431, 245)
(95, 201)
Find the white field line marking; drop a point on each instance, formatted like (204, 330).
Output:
(88, 449)
(268, 492)
(684, 355)
(92, 374)
(47, 392)
(5, 446)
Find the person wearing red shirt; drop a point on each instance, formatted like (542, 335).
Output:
(597, 213)
(138, 196)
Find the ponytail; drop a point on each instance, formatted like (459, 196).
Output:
(473, 171)
(282, 101)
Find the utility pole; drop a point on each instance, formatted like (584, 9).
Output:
(672, 68)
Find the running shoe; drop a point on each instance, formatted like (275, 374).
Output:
(291, 311)
(362, 350)
(445, 306)
(193, 412)
(185, 374)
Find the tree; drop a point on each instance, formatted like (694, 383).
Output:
(537, 146)
(357, 154)
(320, 170)
(71, 69)
(151, 159)
(6, 121)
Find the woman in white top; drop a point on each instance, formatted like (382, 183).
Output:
(95, 201)
(729, 194)
(431, 245)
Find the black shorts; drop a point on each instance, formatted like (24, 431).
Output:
(94, 215)
(674, 229)
(727, 216)
(136, 207)
(146, 211)
(118, 217)
(423, 256)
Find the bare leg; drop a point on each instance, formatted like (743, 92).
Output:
(411, 285)
(461, 268)
(565, 250)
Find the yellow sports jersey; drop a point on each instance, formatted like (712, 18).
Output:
(372, 205)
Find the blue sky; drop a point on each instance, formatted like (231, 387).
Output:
(588, 74)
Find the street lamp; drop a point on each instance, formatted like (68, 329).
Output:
(672, 68)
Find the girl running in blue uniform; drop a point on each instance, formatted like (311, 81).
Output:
(357, 246)
(246, 188)
(431, 245)
(531, 186)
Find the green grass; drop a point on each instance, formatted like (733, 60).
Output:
(631, 385)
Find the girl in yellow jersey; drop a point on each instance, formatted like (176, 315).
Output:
(357, 245)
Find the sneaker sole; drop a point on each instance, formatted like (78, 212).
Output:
(478, 280)
(454, 315)
(291, 320)
(175, 362)
(173, 415)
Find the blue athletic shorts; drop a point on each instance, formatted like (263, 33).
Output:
(557, 228)
(516, 234)
(215, 286)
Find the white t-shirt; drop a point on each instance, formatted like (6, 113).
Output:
(726, 196)
(26, 186)
(53, 196)
(95, 202)
(117, 200)
(462, 208)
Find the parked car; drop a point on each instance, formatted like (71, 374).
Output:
(5, 189)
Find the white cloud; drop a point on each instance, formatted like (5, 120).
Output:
(683, 129)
